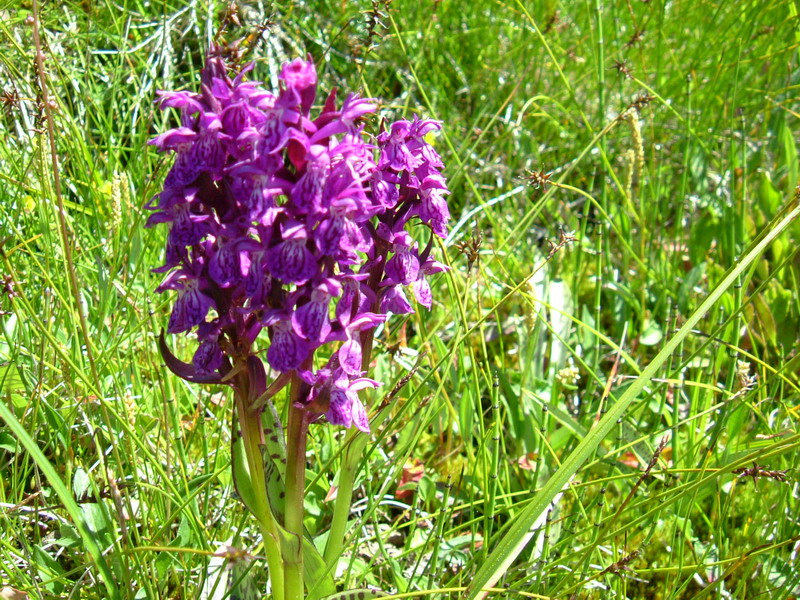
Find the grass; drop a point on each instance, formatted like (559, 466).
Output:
(664, 133)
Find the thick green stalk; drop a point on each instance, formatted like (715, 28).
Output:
(252, 434)
(295, 490)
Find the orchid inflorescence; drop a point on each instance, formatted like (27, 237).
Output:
(293, 225)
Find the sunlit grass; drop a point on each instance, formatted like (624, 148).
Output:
(666, 131)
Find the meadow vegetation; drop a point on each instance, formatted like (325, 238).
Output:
(602, 401)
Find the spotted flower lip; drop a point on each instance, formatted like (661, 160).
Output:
(190, 308)
(310, 320)
(289, 228)
(345, 407)
(291, 261)
(288, 350)
(350, 352)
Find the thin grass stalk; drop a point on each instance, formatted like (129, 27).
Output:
(65, 496)
(519, 533)
(62, 222)
(347, 473)
(72, 277)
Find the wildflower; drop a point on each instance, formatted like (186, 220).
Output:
(290, 229)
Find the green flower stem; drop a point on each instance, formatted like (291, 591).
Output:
(252, 436)
(356, 442)
(295, 489)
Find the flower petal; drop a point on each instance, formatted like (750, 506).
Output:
(350, 356)
(340, 411)
(288, 350)
(360, 419)
(422, 292)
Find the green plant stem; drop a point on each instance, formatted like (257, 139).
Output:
(252, 434)
(356, 442)
(297, 434)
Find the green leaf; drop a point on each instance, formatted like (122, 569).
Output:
(200, 481)
(274, 456)
(788, 156)
(80, 483)
(652, 334)
(9, 330)
(49, 570)
(97, 521)
(68, 536)
(184, 538)
(769, 198)
(162, 564)
(241, 470)
(228, 579)
(692, 279)
(242, 582)
(704, 230)
(519, 532)
(559, 296)
(8, 442)
(10, 379)
(768, 326)
(316, 575)
(318, 578)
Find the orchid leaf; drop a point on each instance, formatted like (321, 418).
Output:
(318, 578)
(274, 456)
(241, 470)
(357, 594)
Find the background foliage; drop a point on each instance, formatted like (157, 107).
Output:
(661, 137)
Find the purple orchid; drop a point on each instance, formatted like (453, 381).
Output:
(289, 230)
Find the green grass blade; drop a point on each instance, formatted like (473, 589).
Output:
(519, 533)
(64, 496)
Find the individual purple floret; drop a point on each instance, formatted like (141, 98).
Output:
(296, 225)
